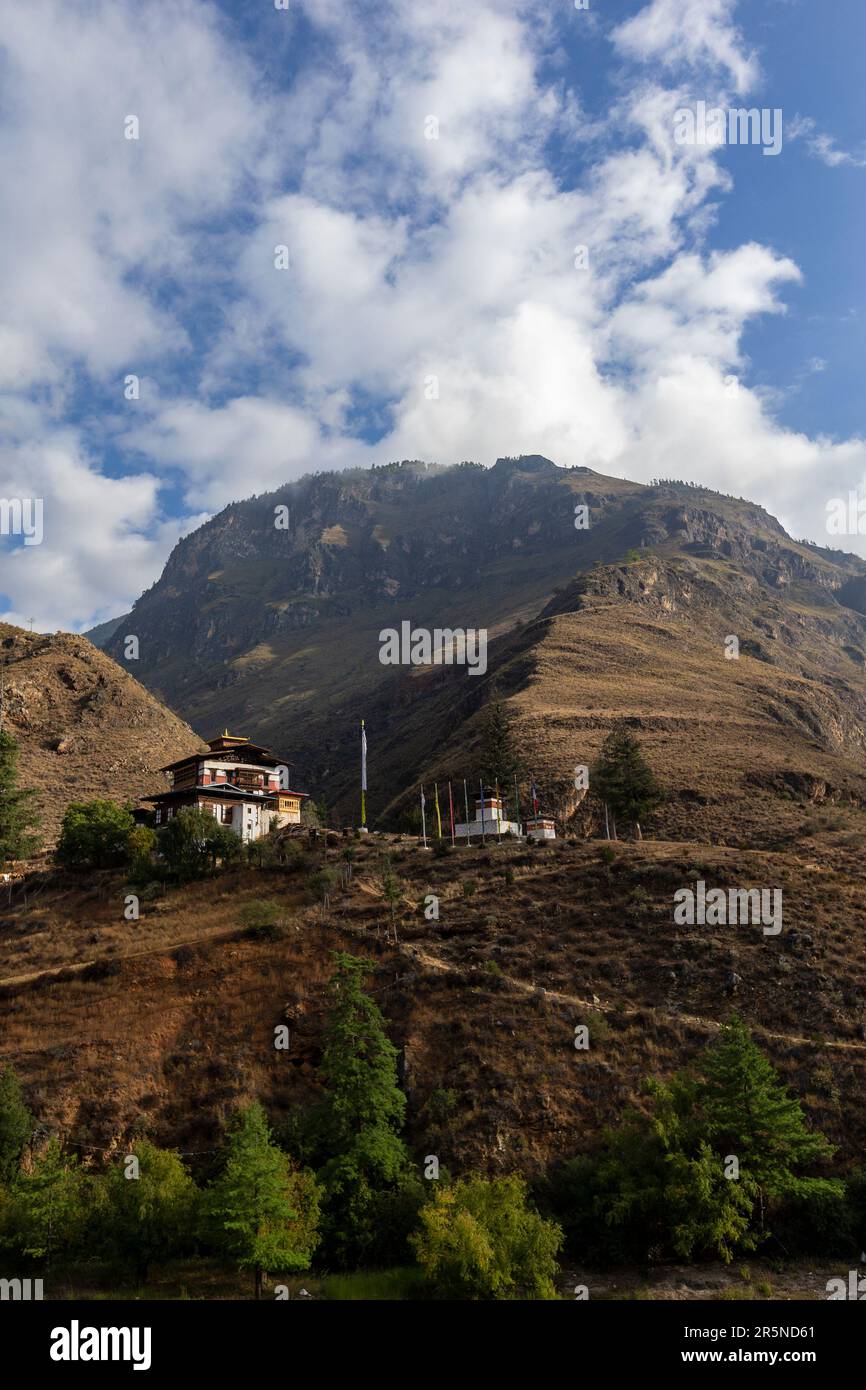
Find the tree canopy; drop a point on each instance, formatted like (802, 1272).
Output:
(362, 1113)
(263, 1211)
(18, 819)
(622, 778)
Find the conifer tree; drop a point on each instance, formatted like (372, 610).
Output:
(748, 1113)
(362, 1114)
(500, 762)
(18, 819)
(16, 1124)
(263, 1210)
(623, 780)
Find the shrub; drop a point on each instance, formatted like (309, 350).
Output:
(479, 1239)
(441, 1105)
(322, 884)
(193, 842)
(264, 919)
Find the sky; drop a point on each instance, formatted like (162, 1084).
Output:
(243, 242)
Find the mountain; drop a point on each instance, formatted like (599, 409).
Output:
(165, 1026)
(100, 634)
(85, 728)
(275, 631)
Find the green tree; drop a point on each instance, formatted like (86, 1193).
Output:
(47, 1208)
(623, 780)
(18, 819)
(314, 815)
(140, 849)
(16, 1124)
(94, 835)
(193, 841)
(694, 1175)
(323, 882)
(149, 1209)
(480, 1239)
(500, 762)
(361, 1116)
(263, 1211)
(748, 1113)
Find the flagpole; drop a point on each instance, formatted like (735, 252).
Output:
(423, 818)
(466, 804)
(451, 813)
(517, 803)
(481, 785)
(438, 816)
(498, 813)
(363, 778)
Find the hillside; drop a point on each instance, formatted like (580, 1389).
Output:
(163, 1025)
(276, 632)
(85, 727)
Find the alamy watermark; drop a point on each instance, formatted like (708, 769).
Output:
(735, 907)
(22, 516)
(854, 1289)
(847, 517)
(714, 126)
(439, 646)
(21, 1290)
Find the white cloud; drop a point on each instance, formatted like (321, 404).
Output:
(248, 445)
(690, 33)
(90, 217)
(823, 147)
(103, 536)
(411, 258)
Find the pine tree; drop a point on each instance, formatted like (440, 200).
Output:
(263, 1210)
(363, 1112)
(623, 780)
(500, 763)
(16, 1124)
(18, 819)
(749, 1114)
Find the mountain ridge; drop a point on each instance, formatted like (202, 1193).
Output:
(276, 631)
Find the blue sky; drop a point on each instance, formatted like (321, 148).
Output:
(430, 172)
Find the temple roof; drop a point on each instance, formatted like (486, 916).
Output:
(230, 743)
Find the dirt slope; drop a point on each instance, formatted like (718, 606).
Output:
(85, 727)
